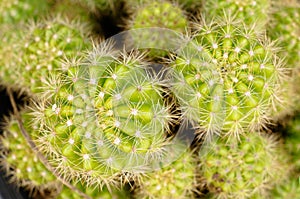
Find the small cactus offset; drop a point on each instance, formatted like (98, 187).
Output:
(245, 169)
(176, 180)
(285, 27)
(227, 79)
(22, 164)
(251, 12)
(154, 14)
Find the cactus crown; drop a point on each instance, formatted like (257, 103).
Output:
(227, 79)
(106, 116)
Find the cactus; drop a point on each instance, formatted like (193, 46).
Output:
(156, 14)
(72, 10)
(245, 169)
(227, 79)
(176, 180)
(42, 46)
(103, 118)
(251, 12)
(99, 5)
(105, 193)
(22, 165)
(22, 10)
(285, 27)
(289, 189)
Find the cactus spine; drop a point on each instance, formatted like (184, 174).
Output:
(103, 120)
(227, 79)
(245, 169)
(21, 163)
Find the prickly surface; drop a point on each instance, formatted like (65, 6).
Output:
(42, 47)
(13, 11)
(227, 79)
(242, 169)
(98, 5)
(72, 10)
(93, 193)
(22, 164)
(157, 14)
(173, 181)
(103, 118)
(285, 27)
(251, 12)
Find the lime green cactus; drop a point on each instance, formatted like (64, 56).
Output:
(176, 180)
(43, 46)
(14, 11)
(103, 118)
(251, 12)
(227, 79)
(285, 28)
(22, 164)
(242, 169)
(157, 14)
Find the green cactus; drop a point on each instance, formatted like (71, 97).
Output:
(285, 28)
(22, 164)
(99, 5)
(105, 193)
(176, 180)
(14, 11)
(251, 12)
(104, 118)
(72, 10)
(156, 14)
(242, 169)
(227, 79)
(40, 49)
(289, 189)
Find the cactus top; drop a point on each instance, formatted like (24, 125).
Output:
(227, 79)
(103, 118)
(159, 14)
